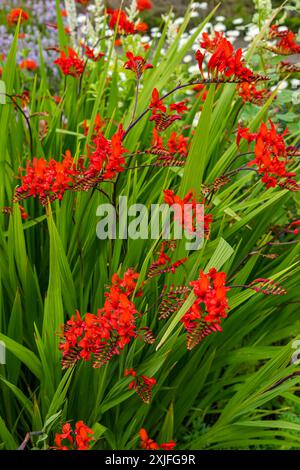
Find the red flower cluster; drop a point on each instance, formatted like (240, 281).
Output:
(144, 5)
(98, 125)
(107, 157)
(150, 444)
(74, 439)
(90, 54)
(15, 14)
(70, 64)
(137, 64)
(47, 179)
(141, 384)
(163, 263)
(177, 145)
(225, 63)
(118, 18)
(210, 306)
(105, 334)
(271, 156)
(50, 179)
(249, 93)
(28, 64)
(286, 44)
(192, 216)
(159, 112)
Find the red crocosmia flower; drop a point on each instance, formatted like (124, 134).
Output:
(141, 384)
(210, 306)
(225, 64)
(70, 64)
(180, 107)
(90, 53)
(28, 64)
(66, 434)
(107, 158)
(271, 156)
(83, 436)
(144, 5)
(56, 99)
(78, 439)
(168, 445)
(200, 58)
(47, 179)
(149, 444)
(98, 125)
(156, 104)
(119, 17)
(163, 263)
(191, 217)
(211, 43)
(137, 64)
(83, 2)
(15, 14)
(243, 133)
(105, 334)
(141, 27)
(201, 91)
(178, 144)
(146, 442)
(286, 44)
(249, 93)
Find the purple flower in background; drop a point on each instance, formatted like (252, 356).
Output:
(37, 36)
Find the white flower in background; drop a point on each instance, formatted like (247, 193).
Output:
(263, 11)
(99, 10)
(283, 85)
(172, 28)
(187, 59)
(203, 5)
(132, 10)
(91, 35)
(233, 33)
(238, 21)
(193, 69)
(295, 82)
(252, 31)
(72, 18)
(194, 14)
(91, 8)
(179, 20)
(220, 18)
(219, 27)
(145, 39)
(296, 97)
